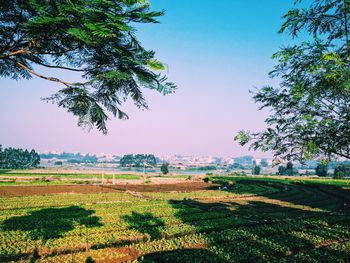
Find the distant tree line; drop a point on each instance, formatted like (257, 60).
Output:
(71, 157)
(207, 168)
(138, 160)
(11, 158)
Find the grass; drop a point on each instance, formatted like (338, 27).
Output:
(256, 219)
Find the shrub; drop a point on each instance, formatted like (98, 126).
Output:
(207, 179)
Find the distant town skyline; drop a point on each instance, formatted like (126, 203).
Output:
(215, 57)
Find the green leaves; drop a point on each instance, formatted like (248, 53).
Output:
(309, 110)
(155, 65)
(242, 137)
(93, 37)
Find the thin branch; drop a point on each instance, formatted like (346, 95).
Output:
(21, 51)
(58, 67)
(68, 84)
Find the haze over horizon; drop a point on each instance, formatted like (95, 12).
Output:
(215, 58)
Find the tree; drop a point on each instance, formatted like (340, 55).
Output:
(256, 170)
(321, 169)
(92, 38)
(126, 160)
(11, 158)
(341, 171)
(310, 109)
(287, 170)
(138, 160)
(264, 163)
(290, 169)
(281, 170)
(165, 168)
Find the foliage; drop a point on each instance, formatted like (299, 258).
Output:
(287, 170)
(71, 157)
(164, 168)
(235, 166)
(341, 171)
(11, 158)
(264, 163)
(95, 39)
(321, 169)
(281, 170)
(138, 160)
(256, 170)
(207, 179)
(310, 116)
(207, 168)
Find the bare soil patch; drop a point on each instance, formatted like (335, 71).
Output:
(94, 189)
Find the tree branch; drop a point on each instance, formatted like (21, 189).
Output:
(58, 67)
(68, 84)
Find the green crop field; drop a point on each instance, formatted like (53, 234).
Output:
(252, 221)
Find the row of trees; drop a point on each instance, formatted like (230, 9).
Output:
(138, 160)
(11, 158)
(340, 171)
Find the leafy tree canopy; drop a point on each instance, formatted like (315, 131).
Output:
(287, 170)
(321, 169)
(310, 115)
(256, 170)
(138, 160)
(341, 171)
(11, 158)
(93, 38)
(164, 168)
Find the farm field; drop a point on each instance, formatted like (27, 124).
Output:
(254, 220)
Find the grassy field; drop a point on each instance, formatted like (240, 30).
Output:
(254, 220)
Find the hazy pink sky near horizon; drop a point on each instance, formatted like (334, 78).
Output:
(214, 67)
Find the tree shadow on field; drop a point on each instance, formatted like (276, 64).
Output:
(146, 223)
(315, 195)
(52, 223)
(255, 231)
(269, 222)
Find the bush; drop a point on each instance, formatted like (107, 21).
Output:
(207, 180)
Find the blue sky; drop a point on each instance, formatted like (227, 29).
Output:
(216, 51)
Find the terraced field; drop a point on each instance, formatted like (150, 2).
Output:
(251, 221)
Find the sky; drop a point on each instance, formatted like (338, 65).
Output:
(216, 51)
